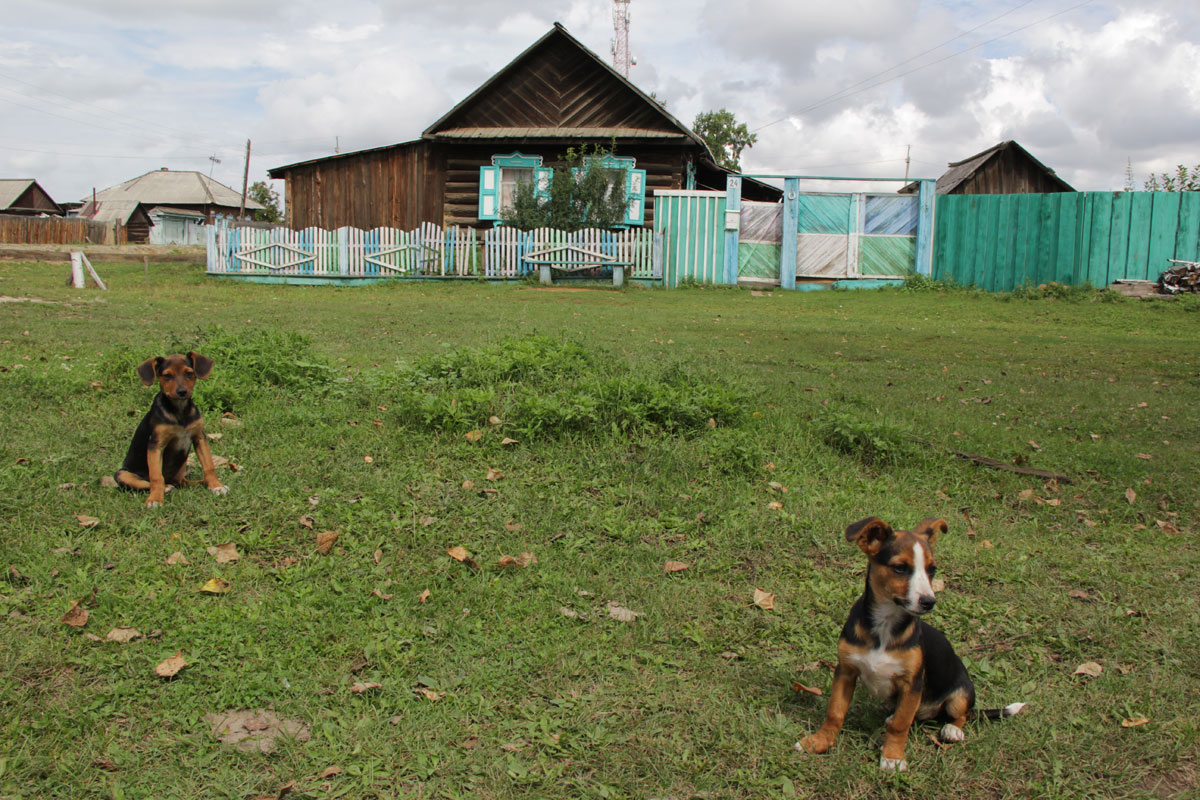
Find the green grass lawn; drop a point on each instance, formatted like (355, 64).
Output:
(650, 426)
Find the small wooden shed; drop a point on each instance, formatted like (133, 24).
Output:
(556, 94)
(1005, 168)
(26, 197)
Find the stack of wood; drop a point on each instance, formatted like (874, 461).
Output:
(1184, 277)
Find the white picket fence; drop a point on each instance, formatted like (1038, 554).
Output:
(426, 252)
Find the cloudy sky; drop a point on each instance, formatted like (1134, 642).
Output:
(93, 93)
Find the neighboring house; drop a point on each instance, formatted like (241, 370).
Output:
(462, 171)
(1005, 168)
(136, 203)
(25, 197)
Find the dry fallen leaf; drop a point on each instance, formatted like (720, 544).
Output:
(360, 687)
(494, 474)
(514, 745)
(777, 486)
(224, 553)
(621, 614)
(764, 600)
(507, 441)
(1089, 668)
(1034, 444)
(76, 616)
(177, 558)
(426, 521)
(369, 459)
(512, 526)
(381, 595)
(458, 553)
(1143, 456)
(170, 666)
(123, 635)
(91, 636)
(1079, 594)
(1133, 722)
(307, 521)
(423, 596)
(800, 687)
(329, 772)
(378, 556)
(212, 437)
(986, 544)
(494, 420)
(468, 485)
(1130, 495)
(108, 482)
(473, 436)
(325, 540)
(215, 586)
(938, 585)
(675, 566)
(87, 522)
(429, 694)
(567, 612)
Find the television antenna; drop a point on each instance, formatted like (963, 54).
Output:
(214, 161)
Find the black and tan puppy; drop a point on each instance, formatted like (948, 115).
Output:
(896, 654)
(157, 456)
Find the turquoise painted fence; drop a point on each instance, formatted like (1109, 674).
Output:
(1000, 242)
(693, 235)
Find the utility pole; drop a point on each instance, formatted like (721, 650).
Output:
(245, 182)
(907, 155)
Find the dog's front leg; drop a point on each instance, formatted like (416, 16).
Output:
(844, 679)
(157, 483)
(896, 732)
(204, 456)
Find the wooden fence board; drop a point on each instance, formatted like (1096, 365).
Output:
(1001, 242)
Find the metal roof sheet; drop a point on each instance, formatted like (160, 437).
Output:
(171, 187)
(11, 189)
(556, 133)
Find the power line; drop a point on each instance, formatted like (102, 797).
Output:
(140, 122)
(844, 93)
(143, 156)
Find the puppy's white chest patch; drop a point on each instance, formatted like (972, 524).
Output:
(876, 669)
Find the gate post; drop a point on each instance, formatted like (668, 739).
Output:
(791, 228)
(733, 224)
(925, 206)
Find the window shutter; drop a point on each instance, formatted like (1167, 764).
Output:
(545, 177)
(489, 192)
(635, 194)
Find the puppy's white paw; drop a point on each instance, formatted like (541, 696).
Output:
(893, 764)
(168, 488)
(219, 490)
(153, 504)
(951, 733)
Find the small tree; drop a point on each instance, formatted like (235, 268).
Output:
(1184, 180)
(725, 137)
(260, 192)
(583, 193)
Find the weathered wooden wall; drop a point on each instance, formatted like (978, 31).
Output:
(1000, 242)
(1010, 172)
(398, 187)
(16, 229)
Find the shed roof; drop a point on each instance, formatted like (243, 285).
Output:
(110, 210)
(960, 171)
(172, 187)
(11, 190)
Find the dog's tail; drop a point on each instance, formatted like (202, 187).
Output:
(1010, 710)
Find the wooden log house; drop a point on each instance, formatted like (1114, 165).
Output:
(556, 94)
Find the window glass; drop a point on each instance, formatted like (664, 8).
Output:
(510, 178)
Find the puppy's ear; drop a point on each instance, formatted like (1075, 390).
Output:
(202, 364)
(930, 528)
(148, 370)
(870, 533)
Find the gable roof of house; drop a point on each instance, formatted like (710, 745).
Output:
(175, 188)
(11, 190)
(551, 90)
(111, 210)
(962, 171)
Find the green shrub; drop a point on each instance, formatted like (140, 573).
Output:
(873, 441)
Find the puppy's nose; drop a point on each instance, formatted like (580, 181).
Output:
(927, 602)
(181, 391)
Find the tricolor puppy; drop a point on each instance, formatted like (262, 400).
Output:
(896, 654)
(157, 456)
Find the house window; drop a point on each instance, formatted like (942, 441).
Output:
(498, 183)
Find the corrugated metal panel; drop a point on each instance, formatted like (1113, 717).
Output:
(999, 242)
